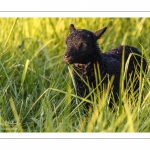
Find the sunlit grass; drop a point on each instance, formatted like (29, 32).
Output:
(37, 91)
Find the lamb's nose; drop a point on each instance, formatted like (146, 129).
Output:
(66, 55)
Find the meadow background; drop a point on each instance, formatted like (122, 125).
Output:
(36, 88)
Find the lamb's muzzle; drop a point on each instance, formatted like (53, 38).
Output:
(67, 58)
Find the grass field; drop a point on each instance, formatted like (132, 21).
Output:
(36, 88)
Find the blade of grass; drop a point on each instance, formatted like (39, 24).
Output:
(24, 72)
(13, 107)
(11, 30)
(121, 82)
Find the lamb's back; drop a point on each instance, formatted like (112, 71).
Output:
(114, 57)
(119, 50)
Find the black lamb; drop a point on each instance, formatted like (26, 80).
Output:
(83, 52)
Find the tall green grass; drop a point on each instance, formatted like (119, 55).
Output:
(37, 93)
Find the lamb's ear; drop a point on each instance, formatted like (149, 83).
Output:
(72, 28)
(99, 33)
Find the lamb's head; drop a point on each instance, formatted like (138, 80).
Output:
(81, 45)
